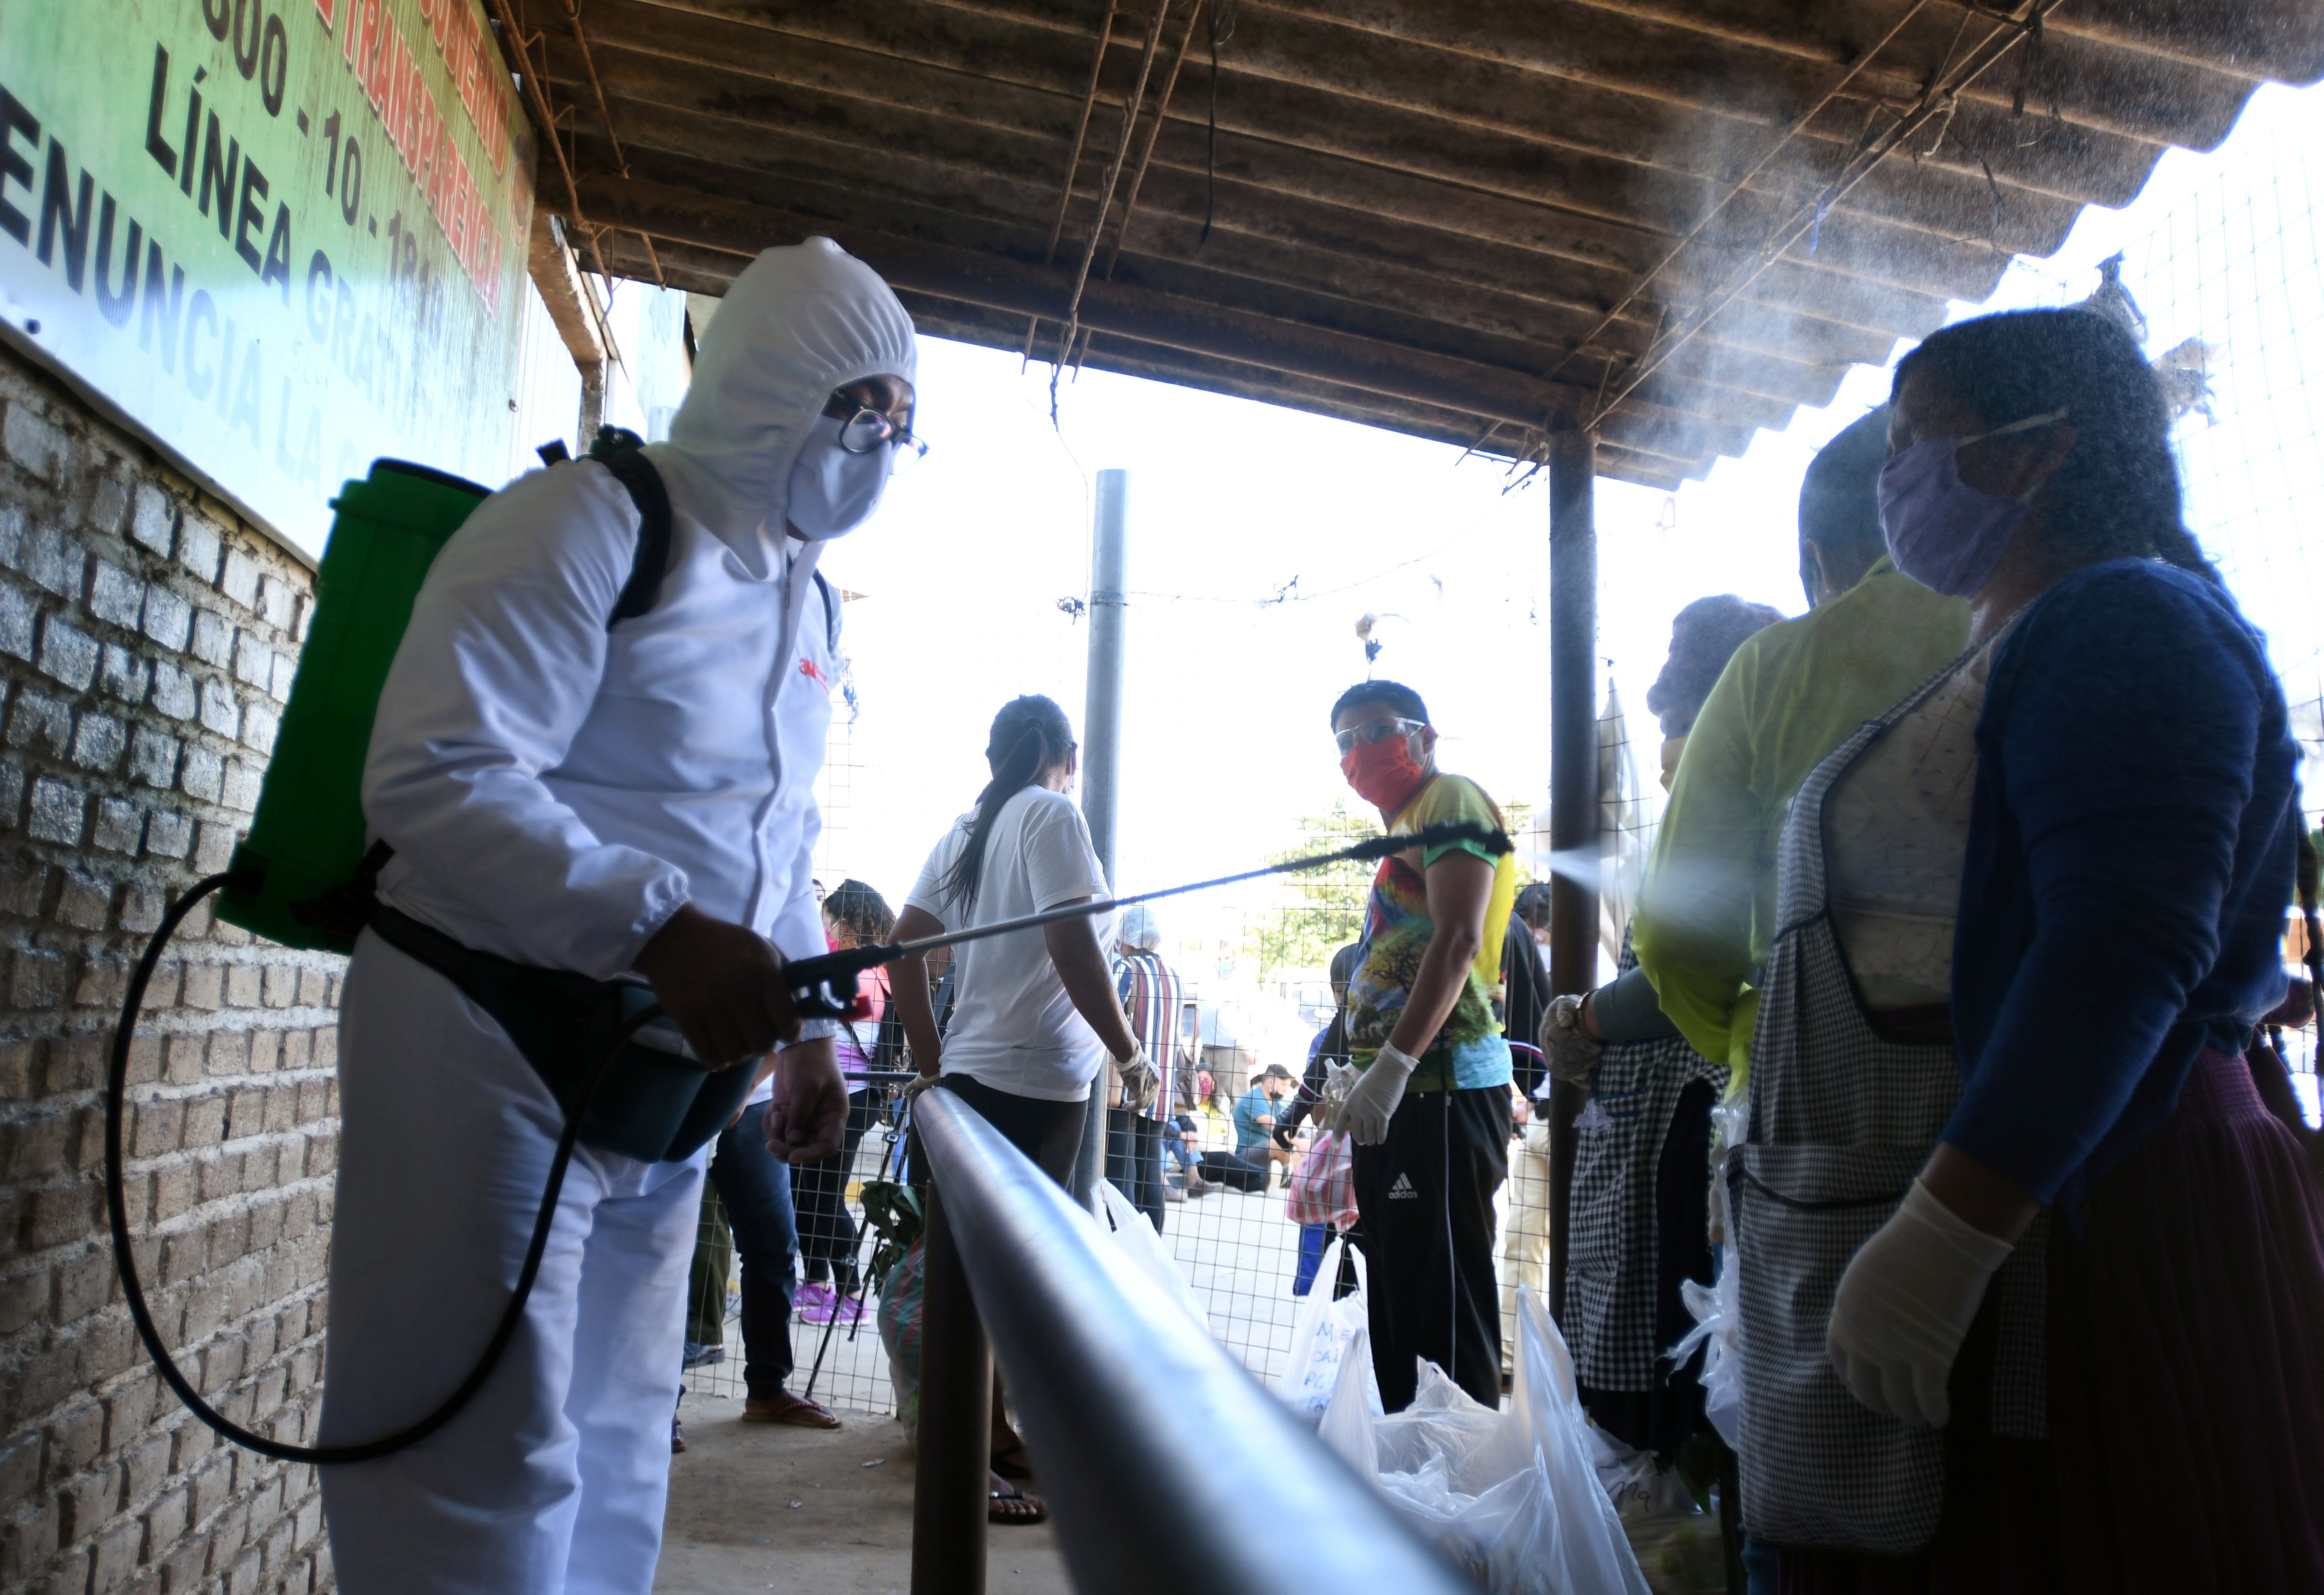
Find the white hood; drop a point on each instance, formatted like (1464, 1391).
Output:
(798, 322)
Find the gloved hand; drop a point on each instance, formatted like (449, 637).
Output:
(1570, 1051)
(1140, 1080)
(914, 1085)
(1373, 1098)
(1905, 1305)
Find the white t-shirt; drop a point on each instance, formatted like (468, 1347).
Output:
(1013, 1026)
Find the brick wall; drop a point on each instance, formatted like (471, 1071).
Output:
(147, 639)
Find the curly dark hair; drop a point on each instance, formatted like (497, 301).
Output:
(2116, 492)
(859, 908)
(1704, 637)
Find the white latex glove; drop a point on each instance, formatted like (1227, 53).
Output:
(1903, 1305)
(1140, 1080)
(914, 1085)
(1571, 1055)
(1373, 1098)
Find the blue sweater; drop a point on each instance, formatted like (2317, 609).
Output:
(2130, 858)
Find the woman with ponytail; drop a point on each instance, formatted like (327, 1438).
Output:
(1035, 1014)
(2029, 921)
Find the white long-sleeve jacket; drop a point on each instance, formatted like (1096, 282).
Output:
(554, 790)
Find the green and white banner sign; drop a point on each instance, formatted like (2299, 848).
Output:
(286, 236)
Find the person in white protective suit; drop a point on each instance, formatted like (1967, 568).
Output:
(598, 800)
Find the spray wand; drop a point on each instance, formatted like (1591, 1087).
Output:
(816, 983)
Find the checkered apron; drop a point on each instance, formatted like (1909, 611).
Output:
(1611, 1259)
(1841, 1119)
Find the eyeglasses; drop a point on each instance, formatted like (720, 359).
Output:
(862, 429)
(1374, 731)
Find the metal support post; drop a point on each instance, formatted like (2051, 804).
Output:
(594, 380)
(1572, 787)
(949, 1503)
(1102, 747)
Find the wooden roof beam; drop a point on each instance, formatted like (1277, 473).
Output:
(874, 111)
(1627, 191)
(942, 271)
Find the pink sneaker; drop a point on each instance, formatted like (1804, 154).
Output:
(826, 1307)
(812, 1302)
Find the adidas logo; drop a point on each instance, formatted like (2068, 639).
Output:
(1403, 1190)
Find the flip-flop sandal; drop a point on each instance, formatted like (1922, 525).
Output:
(1011, 1462)
(797, 1411)
(1014, 1506)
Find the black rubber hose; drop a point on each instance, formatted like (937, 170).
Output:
(117, 1111)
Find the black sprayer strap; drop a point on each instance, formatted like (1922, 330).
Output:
(620, 452)
(116, 1114)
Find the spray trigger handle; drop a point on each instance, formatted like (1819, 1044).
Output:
(826, 987)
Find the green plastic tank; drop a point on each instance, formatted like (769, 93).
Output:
(307, 839)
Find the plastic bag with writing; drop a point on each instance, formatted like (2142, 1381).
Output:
(1321, 1336)
(1512, 1497)
(1133, 1232)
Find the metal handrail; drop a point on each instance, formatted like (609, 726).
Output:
(1168, 1467)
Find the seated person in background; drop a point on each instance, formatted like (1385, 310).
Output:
(1255, 1156)
(1183, 1144)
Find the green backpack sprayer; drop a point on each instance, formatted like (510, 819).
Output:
(304, 877)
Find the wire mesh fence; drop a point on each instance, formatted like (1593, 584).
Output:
(2225, 294)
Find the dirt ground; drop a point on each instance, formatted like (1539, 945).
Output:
(758, 1507)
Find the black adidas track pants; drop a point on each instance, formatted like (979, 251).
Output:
(1426, 1197)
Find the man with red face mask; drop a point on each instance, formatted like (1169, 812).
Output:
(1429, 1109)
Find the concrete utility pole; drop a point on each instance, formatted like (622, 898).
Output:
(1102, 744)
(1572, 785)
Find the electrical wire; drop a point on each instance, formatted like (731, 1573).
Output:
(1282, 595)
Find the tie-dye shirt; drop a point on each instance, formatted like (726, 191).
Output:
(1470, 1050)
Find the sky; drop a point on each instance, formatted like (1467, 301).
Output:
(1259, 537)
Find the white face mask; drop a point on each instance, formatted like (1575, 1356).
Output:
(834, 492)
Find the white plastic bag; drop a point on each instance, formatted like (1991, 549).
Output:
(1716, 1311)
(1512, 1497)
(1133, 1232)
(1321, 1338)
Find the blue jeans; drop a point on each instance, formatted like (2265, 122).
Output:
(756, 1187)
(1312, 1240)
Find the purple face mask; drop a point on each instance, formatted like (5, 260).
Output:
(1943, 533)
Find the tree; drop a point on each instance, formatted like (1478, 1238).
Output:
(1317, 912)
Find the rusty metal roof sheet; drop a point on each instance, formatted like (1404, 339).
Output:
(1670, 221)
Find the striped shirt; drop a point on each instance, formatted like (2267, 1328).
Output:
(1154, 1001)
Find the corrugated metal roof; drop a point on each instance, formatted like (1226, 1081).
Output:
(1671, 221)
